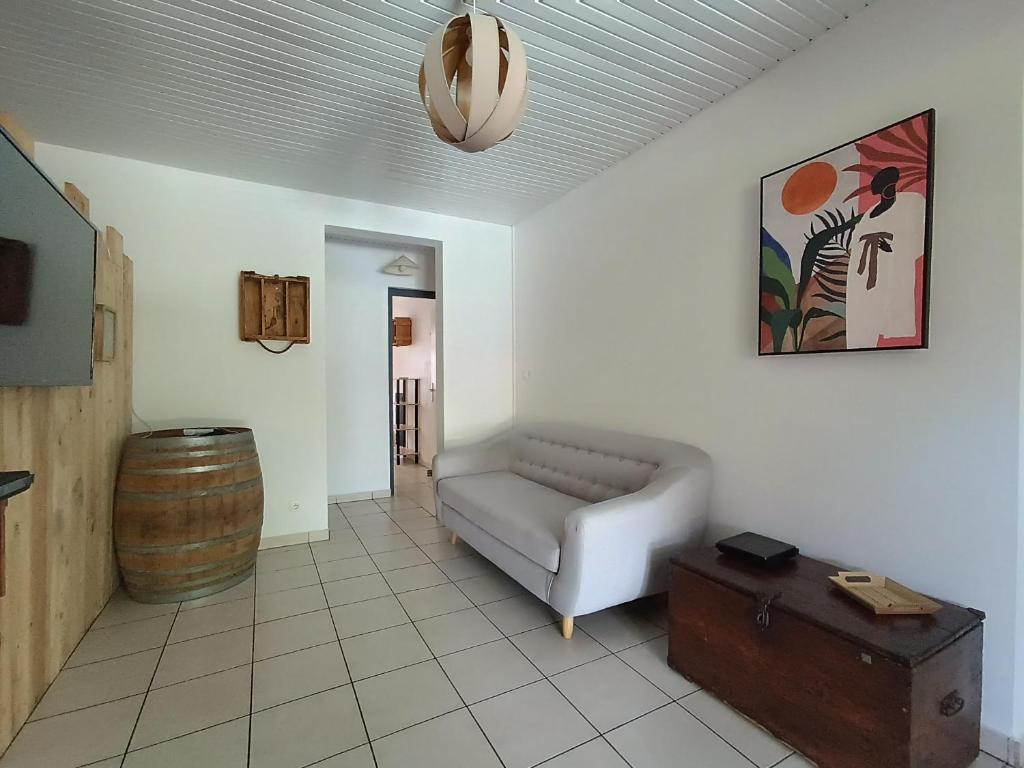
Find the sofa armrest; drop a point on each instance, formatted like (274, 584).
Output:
(491, 455)
(618, 550)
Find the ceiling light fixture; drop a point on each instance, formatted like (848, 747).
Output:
(486, 63)
(403, 265)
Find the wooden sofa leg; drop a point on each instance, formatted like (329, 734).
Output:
(454, 538)
(567, 627)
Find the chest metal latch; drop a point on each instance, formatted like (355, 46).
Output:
(764, 605)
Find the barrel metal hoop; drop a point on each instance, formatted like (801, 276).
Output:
(145, 596)
(217, 490)
(137, 454)
(185, 442)
(175, 548)
(192, 470)
(231, 562)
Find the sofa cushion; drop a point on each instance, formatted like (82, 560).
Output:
(589, 464)
(525, 515)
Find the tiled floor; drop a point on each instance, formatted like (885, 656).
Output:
(385, 646)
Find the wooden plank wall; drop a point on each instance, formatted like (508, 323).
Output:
(60, 560)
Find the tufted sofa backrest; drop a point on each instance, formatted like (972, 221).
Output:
(593, 464)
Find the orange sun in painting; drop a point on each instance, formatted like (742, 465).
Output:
(809, 188)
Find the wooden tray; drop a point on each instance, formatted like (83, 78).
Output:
(882, 595)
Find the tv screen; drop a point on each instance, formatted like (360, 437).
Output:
(47, 279)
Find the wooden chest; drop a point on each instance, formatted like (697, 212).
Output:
(824, 674)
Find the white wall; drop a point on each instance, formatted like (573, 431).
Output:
(190, 234)
(418, 361)
(358, 403)
(636, 308)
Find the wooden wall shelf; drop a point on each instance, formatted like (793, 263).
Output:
(274, 308)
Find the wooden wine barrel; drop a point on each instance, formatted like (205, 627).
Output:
(188, 511)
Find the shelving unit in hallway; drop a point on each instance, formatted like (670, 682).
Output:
(406, 439)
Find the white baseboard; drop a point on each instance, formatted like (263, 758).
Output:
(344, 498)
(1001, 746)
(290, 539)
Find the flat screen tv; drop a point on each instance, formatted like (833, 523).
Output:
(47, 279)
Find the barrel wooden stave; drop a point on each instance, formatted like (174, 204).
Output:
(188, 513)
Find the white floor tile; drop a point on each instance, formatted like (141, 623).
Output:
(188, 707)
(445, 550)
(429, 536)
(353, 509)
(281, 605)
(519, 614)
(384, 650)
(298, 674)
(224, 746)
(328, 551)
(212, 619)
(609, 693)
(336, 570)
(490, 588)
(74, 739)
(450, 741)
(121, 609)
(798, 761)
(360, 757)
(434, 601)
(466, 567)
(594, 754)
(400, 558)
(552, 653)
(302, 732)
(204, 656)
(419, 524)
(416, 513)
(274, 638)
(759, 746)
(650, 659)
(376, 544)
(396, 700)
(417, 577)
(376, 527)
(671, 737)
(396, 503)
(291, 578)
(80, 687)
(281, 558)
(488, 670)
(618, 628)
(368, 616)
(121, 640)
(455, 631)
(356, 589)
(531, 724)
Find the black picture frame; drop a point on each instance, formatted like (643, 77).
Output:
(926, 271)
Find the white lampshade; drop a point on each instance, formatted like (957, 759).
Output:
(486, 62)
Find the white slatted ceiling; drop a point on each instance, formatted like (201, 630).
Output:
(322, 94)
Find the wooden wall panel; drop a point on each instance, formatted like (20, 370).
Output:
(60, 560)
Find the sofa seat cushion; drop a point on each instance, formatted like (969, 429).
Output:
(528, 517)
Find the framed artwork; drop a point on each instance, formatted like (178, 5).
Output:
(846, 243)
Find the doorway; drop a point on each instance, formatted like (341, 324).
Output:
(412, 375)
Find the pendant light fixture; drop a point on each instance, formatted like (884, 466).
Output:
(486, 63)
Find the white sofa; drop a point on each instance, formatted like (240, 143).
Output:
(583, 518)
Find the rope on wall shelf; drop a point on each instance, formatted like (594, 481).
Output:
(275, 351)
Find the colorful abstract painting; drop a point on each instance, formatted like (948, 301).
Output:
(845, 241)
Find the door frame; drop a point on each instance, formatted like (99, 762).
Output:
(411, 293)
